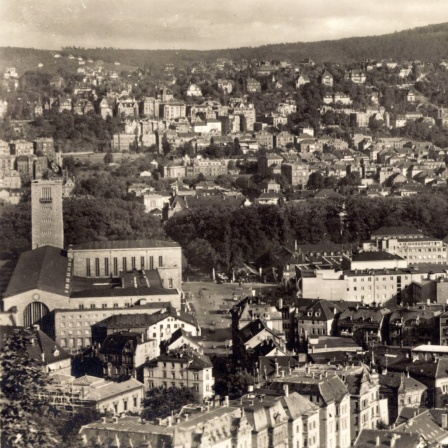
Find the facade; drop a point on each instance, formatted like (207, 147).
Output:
(110, 258)
(401, 391)
(368, 286)
(158, 326)
(75, 328)
(124, 352)
(333, 399)
(96, 393)
(297, 174)
(181, 368)
(46, 213)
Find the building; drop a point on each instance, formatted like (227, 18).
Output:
(90, 392)
(159, 325)
(77, 328)
(105, 259)
(194, 90)
(297, 174)
(218, 427)
(333, 399)
(181, 368)
(365, 324)
(401, 390)
(253, 86)
(313, 318)
(124, 352)
(368, 285)
(46, 213)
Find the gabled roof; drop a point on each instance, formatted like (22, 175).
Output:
(296, 405)
(371, 438)
(115, 343)
(129, 321)
(424, 425)
(253, 328)
(45, 350)
(44, 268)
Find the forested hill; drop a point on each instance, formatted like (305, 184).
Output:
(428, 43)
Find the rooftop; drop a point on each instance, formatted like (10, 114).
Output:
(43, 268)
(124, 244)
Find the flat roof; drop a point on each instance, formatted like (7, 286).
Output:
(124, 244)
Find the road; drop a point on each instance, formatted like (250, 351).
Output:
(208, 298)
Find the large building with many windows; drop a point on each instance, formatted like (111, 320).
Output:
(106, 259)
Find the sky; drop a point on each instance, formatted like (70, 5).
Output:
(204, 24)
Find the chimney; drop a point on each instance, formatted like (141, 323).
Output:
(286, 390)
(377, 441)
(250, 388)
(393, 440)
(444, 421)
(115, 419)
(103, 420)
(186, 417)
(276, 368)
(280, 304)
(226, 401)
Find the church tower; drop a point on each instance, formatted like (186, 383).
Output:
(46, 213)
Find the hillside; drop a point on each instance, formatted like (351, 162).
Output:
(429, 44)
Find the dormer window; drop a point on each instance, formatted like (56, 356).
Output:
(317, 313)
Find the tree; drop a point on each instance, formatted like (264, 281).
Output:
(315, 181)
(166, 146)
(108, 158)
(160, 401)
(24, 413)
(234, 384)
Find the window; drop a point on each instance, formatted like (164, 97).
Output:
(88, 267)
(151, 263)
(115, 267)
(115, 305)
(170, 283)
(124, 263)
(160, 261)
(106, 267)
(92, 305)
(142, 262)
(97, 267)
(104, 305)
(133, 262)
(81, 307)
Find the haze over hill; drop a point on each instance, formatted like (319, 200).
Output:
(429, 43)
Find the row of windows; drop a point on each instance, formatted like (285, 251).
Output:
(362, 279)
(78, 332)
(115, 267)
(75, 342)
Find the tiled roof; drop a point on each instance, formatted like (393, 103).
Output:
(371, 438)
(129, 321)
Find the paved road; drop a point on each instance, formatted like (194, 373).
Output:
(208, 298)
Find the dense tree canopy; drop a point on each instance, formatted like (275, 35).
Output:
(160, 401)
(25, 416)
